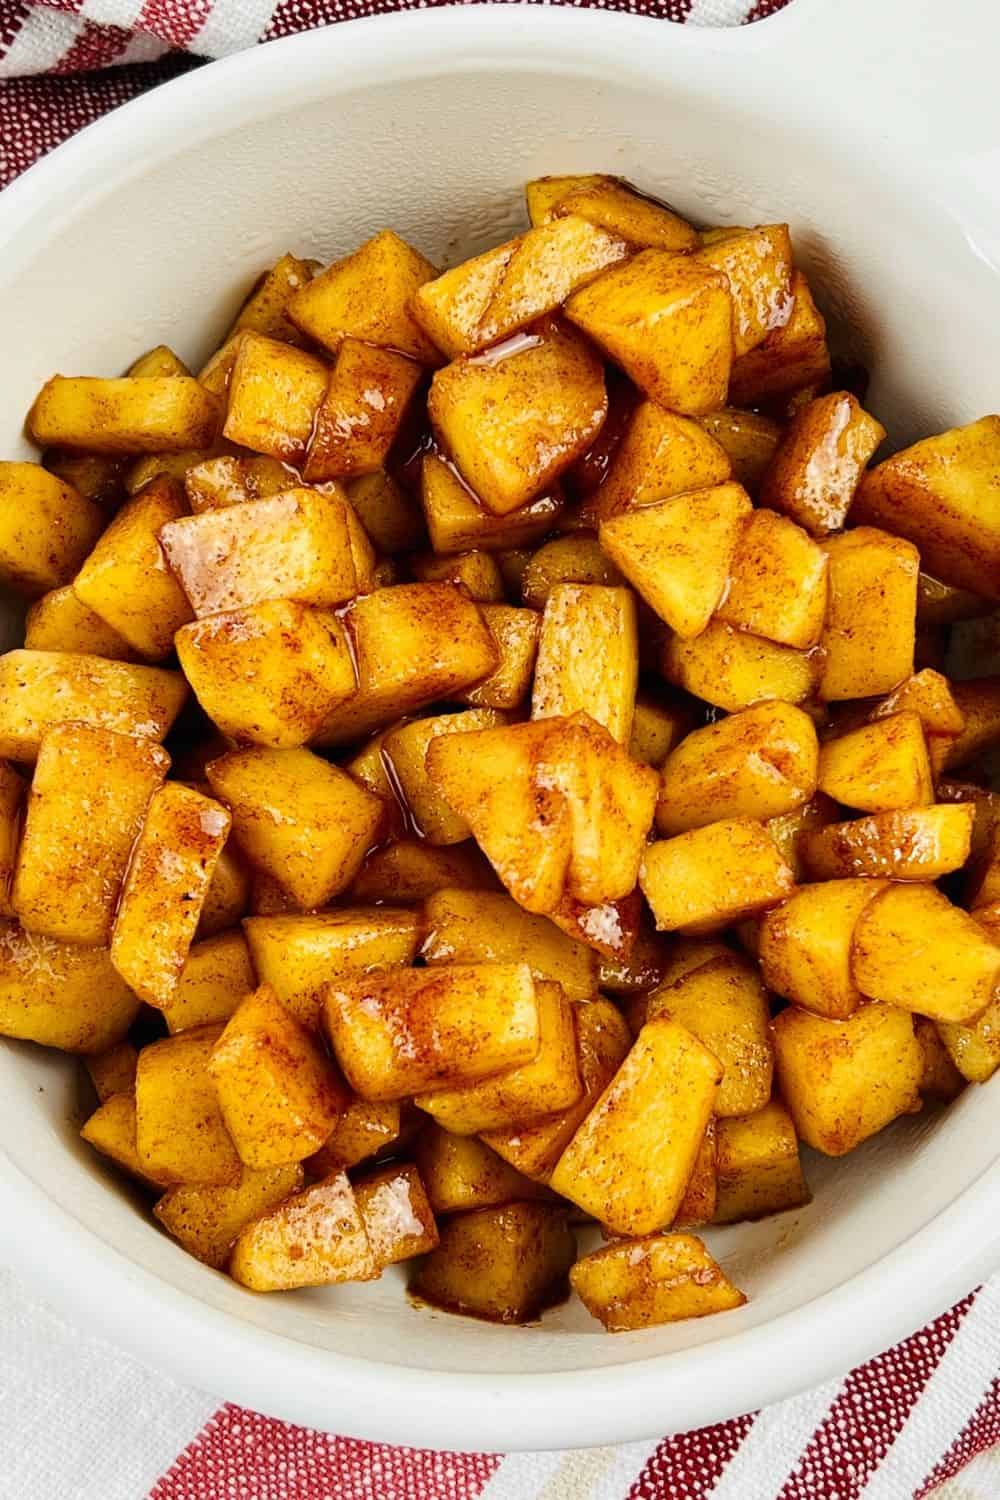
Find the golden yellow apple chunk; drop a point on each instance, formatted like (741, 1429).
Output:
(629, 1162)
(41, 689)
(943, 494)
(362, 1130)
(931, 696)
(315, 1238)
(265, 310)
(805, 945)
(85, 809)
(387, 512)
(975, 1049)
(400, 1033)
(405, 749)
(612, 203)
(757, 263)
(588, 657)
(724, 1005)
(113, 1070)
(576, 558)
(668, 323)
(698, 1204)
(269, 673)
(610, 802)
(916, 843)
(412, 644)
(456, 520)
(819, 462)
(548, 1083)
(503, 1264)
(516, 633)
(748, 439)
(542, 195)
(789, 829)
(660, 455)
(843, 1081)
(790, 359)
(207, 1217)
(759, 763)
(733, 670)
(460, 1173)
(409, 870)
(640, 970)
(602, 1043)
(449, 308)
(879, 767)
(478, 573)
(468, 926)
(216, 374)
(60, 994)
(778, 584)
(486, 299)
(143, 414)
(279, 1093)
(871, 617)
(46, 528)
(758, 1165)
(125, 579)
(59, 621)
(111, 1130)
(303, 821)
(609, 927)
(547, 264)
(298, 955)
(490, 780)
(940, 1078)
(367, 296)
(513, 419)
(290, 546)
(710, 877)
(396, 1213)
(367, 397)
(160, 360)
(180, 1133)
(228, 895)
(275, 398)
(658, 724)
(913, 949)
(660, 1278)
(223, 481)
(678, 552)
(169, 872)
(218, 974)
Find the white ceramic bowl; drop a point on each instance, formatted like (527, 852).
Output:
(875, 130)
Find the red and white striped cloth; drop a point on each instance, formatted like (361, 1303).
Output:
(81, 1421)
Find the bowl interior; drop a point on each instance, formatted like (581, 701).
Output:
(162, 244)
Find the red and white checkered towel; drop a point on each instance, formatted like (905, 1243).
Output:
(81, 1421)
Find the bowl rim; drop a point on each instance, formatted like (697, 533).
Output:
(135, 135)
(209, 1349)
(205, 1347)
